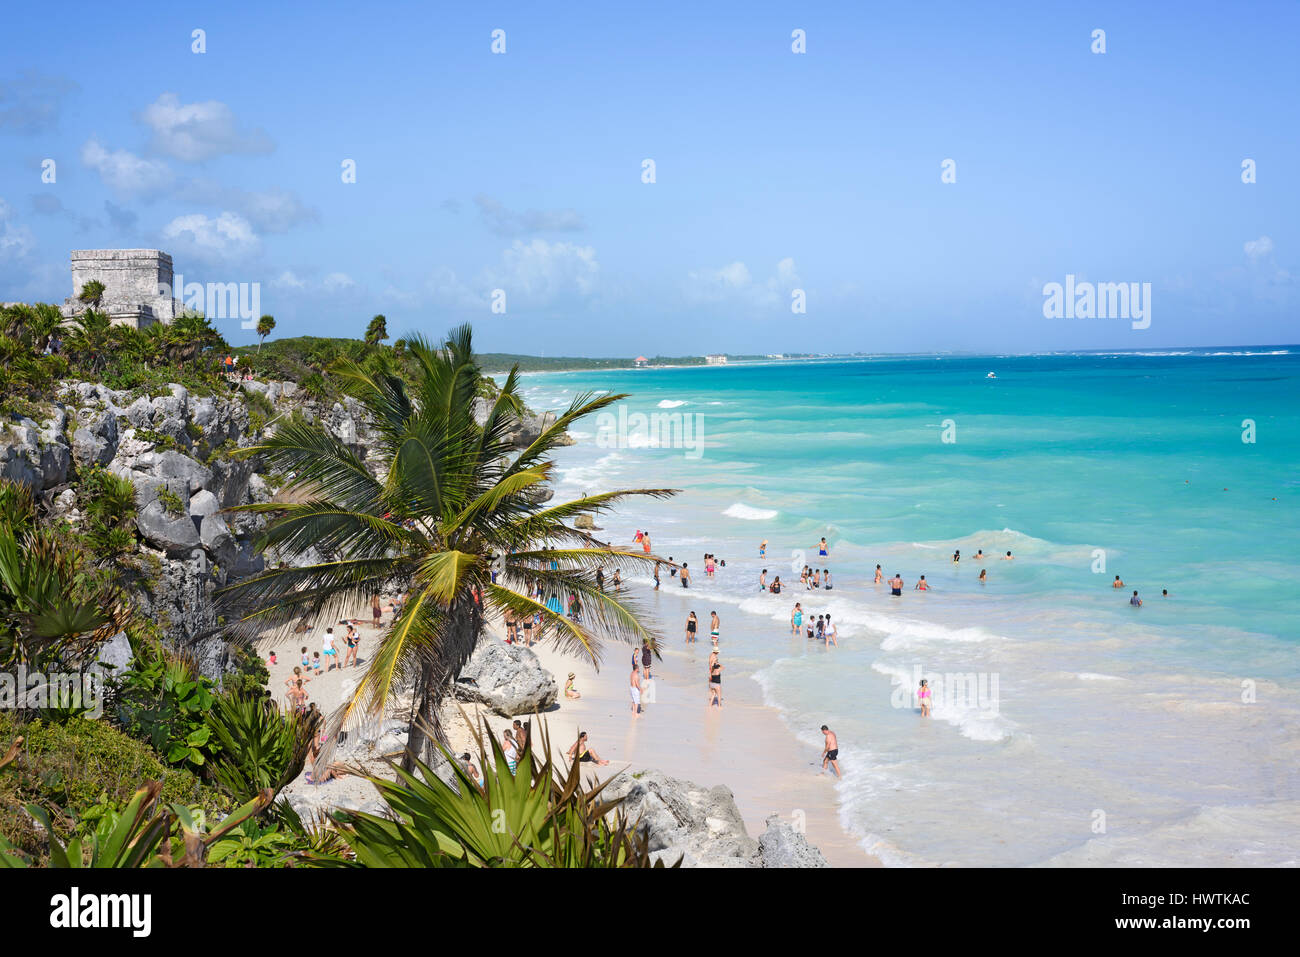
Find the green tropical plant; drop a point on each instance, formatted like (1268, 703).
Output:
(92, 293)
(538, 817)
(265, 326)
(144, 834)
(53, 608)
(376, 331)
(161, 698)
(90, 339)
(109, 505)
(455, 512)
(258, 746)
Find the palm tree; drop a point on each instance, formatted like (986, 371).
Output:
(43, 323)
(264, 327)
(453, 513)
(377, 331)
(92, 293)
(189, 335)
(91, 336)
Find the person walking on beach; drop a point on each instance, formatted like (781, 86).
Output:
(691, 622)
(831, 752)
(634, 690)
(715, 680)
(715, 627)
(896, 585)
(796, 620)
(376, 611)
(685, 576)
(331, 653)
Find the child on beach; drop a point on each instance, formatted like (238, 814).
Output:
(820, 629)
(306, 658)
(830, 633)
(327, 648)
(715, 627)
(271, 661)
(315, 661)
(762, 581)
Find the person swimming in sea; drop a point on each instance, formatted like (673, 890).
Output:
(984, 575)
(922, 585)
(1008, 557)
(1117, 583)
(1135, 601)
(979, 556)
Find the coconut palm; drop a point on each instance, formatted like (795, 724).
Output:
(92, 293)
(452, 513)
(91, 336)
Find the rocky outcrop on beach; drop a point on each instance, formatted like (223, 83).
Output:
(781, 845)
(702, 827)
(509, 679)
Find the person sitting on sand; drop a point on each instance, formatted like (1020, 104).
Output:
(569, 690)
(580, 751)
(270, 662)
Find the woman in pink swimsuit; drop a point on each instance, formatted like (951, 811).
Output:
(924, 695)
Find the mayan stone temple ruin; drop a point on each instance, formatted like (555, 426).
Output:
(137, 285)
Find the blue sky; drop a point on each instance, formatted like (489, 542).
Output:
(775, 171)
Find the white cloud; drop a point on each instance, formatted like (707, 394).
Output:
(123, 171)
(227, 237)
(1260, 248)
(271, 211)
(16, 240)
(337, 282)
(194, 132)
(540, 272)
(288, 280)
(506, 222)
(735, 283)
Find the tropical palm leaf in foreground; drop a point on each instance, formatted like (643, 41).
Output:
(448, 502)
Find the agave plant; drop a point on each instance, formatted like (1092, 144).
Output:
(257, 746)
(453, 512)
(141, 835)
(538, 817)
(51, 608)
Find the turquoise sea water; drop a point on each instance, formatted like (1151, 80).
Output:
(1070, 727)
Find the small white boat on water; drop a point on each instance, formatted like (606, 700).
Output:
(991, 375)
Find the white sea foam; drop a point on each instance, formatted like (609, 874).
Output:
(671, 403)
(750, 513)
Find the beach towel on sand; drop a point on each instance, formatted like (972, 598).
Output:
(648, 691)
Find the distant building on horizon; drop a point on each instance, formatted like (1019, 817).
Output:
(716, 360)
(639, 362)
(137, 285)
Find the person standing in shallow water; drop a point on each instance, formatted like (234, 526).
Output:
(831, 752)
(715, 680)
